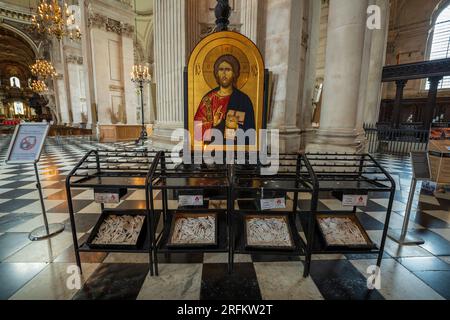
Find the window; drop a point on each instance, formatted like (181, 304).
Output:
(18, 108)
(440, 47)
(14, 82)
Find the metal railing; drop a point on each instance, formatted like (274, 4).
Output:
(385, 140)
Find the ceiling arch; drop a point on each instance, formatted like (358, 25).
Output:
(16, 54)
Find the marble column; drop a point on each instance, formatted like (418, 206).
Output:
(431, 103)
(377, 62)
(249, 19)
(193, 24)
(343, 65)
(170, 60)
(315, 9)
(88, 69)
(284, 54)
(66, 82)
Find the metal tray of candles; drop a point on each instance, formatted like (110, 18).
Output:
(268, 232)
(118, 231)
(193, 230)
(343, 230)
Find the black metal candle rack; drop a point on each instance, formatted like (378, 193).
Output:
(239, 192)
(251, 187)
(346, 175)
(113, 173)
(168, 181)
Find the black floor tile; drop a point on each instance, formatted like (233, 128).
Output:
(305, 205)
(78, 205)
(14, 219)
(114, 282)
(14, 276)
(132, 205)
(16, 184)
(62, 195)
(56, 185)
(366, 256)
(19, 172)
(13, 194)
(428, 206)
(273, 258)
(15, 204)
(83, 222)
(368, 222)
(340, 280)
(180, 258)
(11, 243)
(218, 284)
(18, 177)
(372, 206)
(57, 177)
(445, 203)
(434, 243)
(428, 221)
(438, 280)
(68, 255)
(415, 264)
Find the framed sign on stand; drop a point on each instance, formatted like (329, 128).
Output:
(26, 148)
(421, 172)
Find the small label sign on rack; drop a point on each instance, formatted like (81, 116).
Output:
(352, 200)
(107, 198)
(269, 204)
(190, 201)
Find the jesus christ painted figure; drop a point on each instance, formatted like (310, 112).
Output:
(225, 108)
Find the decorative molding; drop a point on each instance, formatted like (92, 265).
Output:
(116, 88)
(97, 20)
(126, 2)
(419, 70)
(207, 28)
(15, 15)
(74, 59)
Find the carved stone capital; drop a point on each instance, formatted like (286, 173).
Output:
(208, 28)
(97, 20)
(74, 59)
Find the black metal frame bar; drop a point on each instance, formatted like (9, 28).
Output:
(293, 168)
(365, 180)
(96, 170)
(167, 175)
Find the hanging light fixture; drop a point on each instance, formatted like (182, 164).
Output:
(38, 86)
(43, 69)
(54, 20)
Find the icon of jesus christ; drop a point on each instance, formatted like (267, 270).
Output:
(225, 108)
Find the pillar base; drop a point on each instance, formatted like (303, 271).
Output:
(338, 141)
(161, 138)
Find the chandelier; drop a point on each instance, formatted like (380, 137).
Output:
(55, 20)
(43, 69)
(140, 74)
(38, 86)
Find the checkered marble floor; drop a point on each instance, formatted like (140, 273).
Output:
(40, 270)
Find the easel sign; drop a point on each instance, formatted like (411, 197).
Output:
(27, 143)
(26, 147)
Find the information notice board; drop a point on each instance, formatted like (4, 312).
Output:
(27, 143)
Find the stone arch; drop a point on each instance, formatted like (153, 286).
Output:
(24, 36)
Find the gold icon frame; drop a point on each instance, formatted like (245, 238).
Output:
(200, 79)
